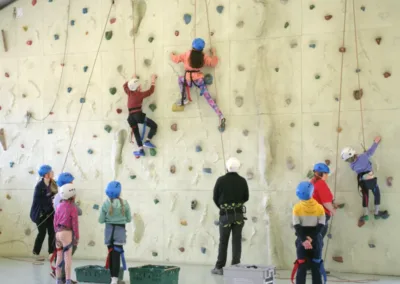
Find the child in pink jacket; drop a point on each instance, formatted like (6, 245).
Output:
(193, 61)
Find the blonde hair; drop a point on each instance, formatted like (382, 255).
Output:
(122, 206)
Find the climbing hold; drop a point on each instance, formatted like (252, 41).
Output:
(96, 206)
(132, 177)
(317, 76)
(240, 67)
(338, 259)
(277, 69)
(284, 2)
(286, 25)
(339, 129)
(292, 124)
(310, 174)
(208, 79)
(154, 254)
(12, 164)
(86, 33)
(7, 75)
(147, 62)
(156, 201)
(85, 10)
(82, 100)
(69, 90)
(288, 101)
(389, 181)
(243, 239)
(336, 99)
(378, 40)
(361, 222)
(176, 33)
(113, 90)
(249, 175)
(25, 28)
(216, 222)
(95, 136)
(29, 42)
(182, 249)
(387, 74)
(90, 151)
(113, 20)
(107, 128)
(119, 110)
(174, 127)
(207, 170)
(203, 250)
(220, 9)
(254, 219)
(245, 132)
(153, 152)
(328, 17)
(290, 163)
(239, 101)
(371, 245)
(193, 204)
(184, 223)
(62, 64)
(312, 7)
(27, 232)
(172, 169)
(109, 35)
(190, 168)
(85, 69)
(357, 94)
(91, 244)
(362, 8)
(198, 148)
(329, 236)
(34, 2)
(293, 45)
(341, 205)
(240, 24)
(312, 45)
(239, 151)
(22, 146)
(49, 131)
(327, 162)
(23, 95)
(58, 152)
(72, 22)
(152, 107)
(358, 70)
(151, 39)
(187, 18)
(342, 49)
(316, 123)
(8, 196)
(31, 172)
(56, 37)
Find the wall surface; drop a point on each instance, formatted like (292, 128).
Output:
(270, 54)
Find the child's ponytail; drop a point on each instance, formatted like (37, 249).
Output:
(110, 211)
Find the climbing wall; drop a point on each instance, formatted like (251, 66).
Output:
(297, 82)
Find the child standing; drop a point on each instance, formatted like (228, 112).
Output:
(308, 222)
(115, 213)
(193, 61)
(136, 116)
(365, 178)
(67, 231)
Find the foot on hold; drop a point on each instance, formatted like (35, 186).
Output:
(179, 102)
(139, 153)
(148, 144)
(221, 126)
(217, 271)
(364, 218)
(381, 215)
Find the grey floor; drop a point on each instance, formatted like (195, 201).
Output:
(24, 272)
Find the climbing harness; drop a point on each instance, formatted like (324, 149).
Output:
(53, 256)
(186, 86)
(143, 130)
(115, 248)
(296, 267)
(298, 262)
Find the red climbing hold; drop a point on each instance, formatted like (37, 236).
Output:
(62, 64)
(51, 113)
(7, 75)
(342, 49)
(182, 249)
(113, 20)
(94, 136)
(387, 74)
(176, 33)
(378, 40)
(29, 42)
(34, 2)
(338, 259)
(0, 107)
(328, 17)
(119, 110)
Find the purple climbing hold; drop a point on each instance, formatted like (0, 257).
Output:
(187, 18)
(85, 10)
(329, 236)
(69, 90)
(207, 170)
(220, 9)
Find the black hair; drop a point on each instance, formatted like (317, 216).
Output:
(196, 58)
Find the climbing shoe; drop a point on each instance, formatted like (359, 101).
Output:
(217, 271)
(364, 218)
(221, 126)
(179, 102)
(139, 153)
(148, 144)
(381, 215)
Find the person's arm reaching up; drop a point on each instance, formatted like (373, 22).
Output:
(211, 61)
(150, 91)
(372, 149)
(178, 58)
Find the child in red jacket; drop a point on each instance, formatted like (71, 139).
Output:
(133, 89)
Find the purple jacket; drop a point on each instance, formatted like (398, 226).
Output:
(362, 164)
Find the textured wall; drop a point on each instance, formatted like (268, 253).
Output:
(270, 54)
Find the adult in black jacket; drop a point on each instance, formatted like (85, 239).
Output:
(230, 194)
(42, 209)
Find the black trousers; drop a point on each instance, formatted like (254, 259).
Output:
(224, 234)
(366, 186)
(324, 231)
(313, 261)
(138, 118)
(48, 227)
(115, 261)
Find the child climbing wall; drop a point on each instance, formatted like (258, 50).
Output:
(193, 60)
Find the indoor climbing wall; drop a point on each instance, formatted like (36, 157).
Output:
(297, 82)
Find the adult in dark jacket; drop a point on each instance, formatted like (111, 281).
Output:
(42, 209)
(230, 194)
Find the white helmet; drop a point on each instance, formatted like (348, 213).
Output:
(133, 84)
(233, 164)
(348, 153)
(67, 191)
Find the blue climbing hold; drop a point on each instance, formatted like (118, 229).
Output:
(69, 89)
(207, 170)
(203, 250)
(85, 10)
(12, 164)
(312, 45)
(220, 9)
(208, 79)
(198, 148)
(90, 151)
(49, 131)
(187, 18)
(82, 100)
(216, 222)
(56, 36)
(96, 207)
(72, 22)
(85, 69)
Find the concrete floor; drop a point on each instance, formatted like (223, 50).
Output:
(23, 272)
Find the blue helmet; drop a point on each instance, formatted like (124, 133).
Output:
(64, 178)
(198, 44)
(304, 190)
(113, 189)
(321, 168)
(43, 170)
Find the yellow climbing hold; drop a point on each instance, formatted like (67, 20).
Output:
(176, 108)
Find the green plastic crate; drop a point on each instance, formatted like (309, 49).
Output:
(154, 274)
(95, 274)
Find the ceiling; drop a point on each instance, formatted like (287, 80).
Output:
(4, 3)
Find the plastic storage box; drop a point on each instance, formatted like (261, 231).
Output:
(154, 274)
(249, 274)
(95, 274)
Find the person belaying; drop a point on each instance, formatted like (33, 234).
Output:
(322, 193)
(115, 213)
(308, 222)
(365, 178)
(133, 89)
(42, 210)
(230, 193)
(193, 61)
(66, 226)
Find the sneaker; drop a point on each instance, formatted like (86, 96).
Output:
(38, 257)
(221, 126)
(179, 102)
(217, 271)
(381, 215)
(139, 153)
(148, 144)
(114, 280)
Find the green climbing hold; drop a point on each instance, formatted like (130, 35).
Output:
(220, 9)
(151, 39)
(156, 201)
(208, 79)
(109, 35)
(113, 91)
(310, 174)
(277, 69)
(312, 7)
(286, 25)
(107, 128)
(190, 168)
(317, 77)
(154, 254)
(187, 18)
(132, 176)
(153, 152)
(152, 107)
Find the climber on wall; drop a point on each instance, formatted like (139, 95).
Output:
(133, 89)
(230, 194)
(308, 222)
(42, 210)
(365, 178)
(193, 61)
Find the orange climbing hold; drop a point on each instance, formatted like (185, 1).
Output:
(339, 129)
(328, 17)
(338, 259)
(184, 223)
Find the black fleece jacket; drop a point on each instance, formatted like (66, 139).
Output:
(230, 188)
